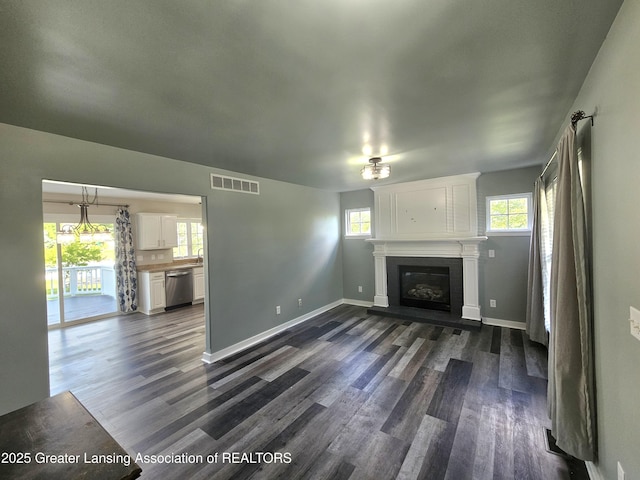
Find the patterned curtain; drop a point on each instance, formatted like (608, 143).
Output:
(126, 274)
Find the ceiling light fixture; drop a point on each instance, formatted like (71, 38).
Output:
(374, 170)
(85, 229)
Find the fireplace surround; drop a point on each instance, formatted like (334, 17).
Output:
(460, 255)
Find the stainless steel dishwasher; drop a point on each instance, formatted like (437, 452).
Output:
(178, 287)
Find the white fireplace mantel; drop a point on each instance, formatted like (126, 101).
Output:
(466, 248)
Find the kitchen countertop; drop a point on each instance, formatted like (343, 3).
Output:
(163, 267)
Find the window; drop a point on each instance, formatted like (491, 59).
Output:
(509, 214)
(358, 222)
(547, 213)
(190, 238)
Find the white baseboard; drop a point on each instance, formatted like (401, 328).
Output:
(249, 342)
(357, 303)
(208, 357)
(592, 470)
(498, 322)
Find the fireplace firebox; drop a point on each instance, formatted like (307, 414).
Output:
(425, 287)
(432, 284)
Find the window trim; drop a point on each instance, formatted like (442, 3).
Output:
(509, 231)
(190, 252)
(347, 223)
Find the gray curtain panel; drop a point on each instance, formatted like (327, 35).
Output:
(535, 325)
(571, 386)
(126, 273)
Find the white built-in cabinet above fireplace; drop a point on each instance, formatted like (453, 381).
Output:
(429, 218)
(435, 208)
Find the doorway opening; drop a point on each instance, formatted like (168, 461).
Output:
(80, 270)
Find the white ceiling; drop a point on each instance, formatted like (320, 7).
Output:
(294, 89)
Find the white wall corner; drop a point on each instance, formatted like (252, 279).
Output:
(207, 357)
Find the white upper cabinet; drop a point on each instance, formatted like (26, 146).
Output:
(156, 231)
(427, 209)
(169, 230)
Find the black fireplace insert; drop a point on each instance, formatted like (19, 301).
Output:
(425, 287)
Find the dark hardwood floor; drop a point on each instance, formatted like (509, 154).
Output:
(346, 395)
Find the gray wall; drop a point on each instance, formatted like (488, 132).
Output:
(504, 277)
(358, 265)
(272, 250)
(263, 251)
(611, 91)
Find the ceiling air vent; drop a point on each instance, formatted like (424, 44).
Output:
(220, 182)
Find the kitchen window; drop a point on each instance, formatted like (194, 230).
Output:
(190, 238)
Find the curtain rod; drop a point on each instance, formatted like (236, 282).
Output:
(580, 115)
(544, 170)
(92, 205)
(575, 118)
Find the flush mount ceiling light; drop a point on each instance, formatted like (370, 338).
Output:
(374, 170)
(85, 229)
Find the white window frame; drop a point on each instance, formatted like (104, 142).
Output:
(510, 231)
(190, 252)
(347, 223)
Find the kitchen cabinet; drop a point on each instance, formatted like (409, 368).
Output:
(155, 231)
(151, 292)
(198, 285)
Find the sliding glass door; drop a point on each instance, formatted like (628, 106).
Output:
(53, 275)
(80, 277)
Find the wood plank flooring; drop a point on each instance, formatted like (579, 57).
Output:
(347, 395)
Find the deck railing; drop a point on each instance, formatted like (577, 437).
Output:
(88, 280)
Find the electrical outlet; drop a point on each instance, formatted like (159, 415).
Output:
(492, 303)
(299, 302)
(359, 288)
(634, 319)
(153, 257)
(620, 472)
(492, 253)
(277, 309)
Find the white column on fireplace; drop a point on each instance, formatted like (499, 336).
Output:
(429, 218)
(380, 299)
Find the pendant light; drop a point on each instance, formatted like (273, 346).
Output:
(84, 229)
